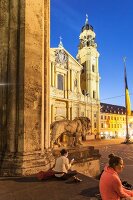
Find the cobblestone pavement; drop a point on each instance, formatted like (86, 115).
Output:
(123, 150)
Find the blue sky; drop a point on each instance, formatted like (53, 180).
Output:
(112, 21)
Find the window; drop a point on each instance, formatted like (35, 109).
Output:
(94, 94)
(101, 116)
(95, 115)
(105, 117)
(82, 114)
(75, 83)
(112, 117)
(101, 125)
(60, 81)
(84, 68)
(95, 124)
(109, 117)
(93, 68)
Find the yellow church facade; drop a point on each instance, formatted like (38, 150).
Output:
(74, 83)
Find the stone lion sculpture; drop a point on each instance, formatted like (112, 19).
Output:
(74, 129)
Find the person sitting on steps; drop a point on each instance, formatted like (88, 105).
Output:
(63, 167)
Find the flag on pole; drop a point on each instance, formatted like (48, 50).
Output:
(127, 97)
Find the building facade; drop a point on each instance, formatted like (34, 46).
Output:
(74, 83)
(113, 121)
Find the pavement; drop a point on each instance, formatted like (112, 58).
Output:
(30, 188)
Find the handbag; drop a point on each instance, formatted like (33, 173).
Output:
(44, 175)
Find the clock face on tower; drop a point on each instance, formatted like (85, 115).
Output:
(60, 56)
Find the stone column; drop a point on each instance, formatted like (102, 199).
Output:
(97, 80)
(68, 79)
(98, 120)
(69, 104)
(46, 75)
(65, 86)
(52, 113)
(89, 80)
(56, 84)
(27, 94)
(92, 122)
(53, 75)
(4, 42)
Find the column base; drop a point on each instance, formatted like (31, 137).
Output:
(26, 164)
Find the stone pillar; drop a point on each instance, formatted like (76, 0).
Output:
(53, 75)
(46, 47)
(65, 86)
(69, 105)
(71, 80)
(98, 120)
(27, 94)
(52, 113)
(78, 82)
(4, 43)
(92, 121)
(68, 80)
(56, 84)
(97, 80)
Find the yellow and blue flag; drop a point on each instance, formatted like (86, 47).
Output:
(127, 97)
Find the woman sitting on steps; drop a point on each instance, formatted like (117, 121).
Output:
(63, 166)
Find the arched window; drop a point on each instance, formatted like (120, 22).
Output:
(60, 80)
(93, 68)
(94, 94)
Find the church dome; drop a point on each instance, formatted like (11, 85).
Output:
(87, 27)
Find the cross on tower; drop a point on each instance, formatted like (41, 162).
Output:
(60, 44)
(124, 59)
(86, 21)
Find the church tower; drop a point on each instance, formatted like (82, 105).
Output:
(89, 79)
(88, 57)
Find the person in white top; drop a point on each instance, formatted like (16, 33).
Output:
(63, 167)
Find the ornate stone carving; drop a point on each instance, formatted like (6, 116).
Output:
(61, 57)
